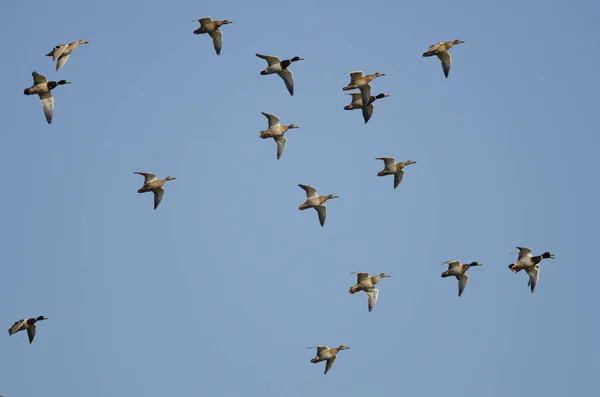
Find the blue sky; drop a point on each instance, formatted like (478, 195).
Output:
(218, 291)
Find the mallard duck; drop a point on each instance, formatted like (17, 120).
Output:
(457, 269)
(441, 51)
(42, 87)
(357, 103)
(324, 353)
(313, 200)
(152, 184)
(28, 324)
(276, 131)
(367, 283)
(360, 81)
(63, 51)
(281, 68)
(207, 25)
(393, 168)
(531, 264)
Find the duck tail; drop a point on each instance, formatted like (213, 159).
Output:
(27, 91)
(428, 54)
(354, 289)
(445, 274)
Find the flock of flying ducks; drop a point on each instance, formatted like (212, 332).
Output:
(361, 99)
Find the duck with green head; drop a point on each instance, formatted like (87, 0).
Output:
(42, 87)
(457, 269)
(26, 324)
(281, 68)
(531, 264)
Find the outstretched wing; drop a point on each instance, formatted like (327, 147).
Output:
(367, 112)
(451, 264)
(463, 280)
(329, 364)
(534, 276)
(281, 141)
(355, 76)
(322, 211)
(217, 37)
(47, 101)
(398, 178)
(288, 79)
(273, 120)
(62, 60)
(387, 161)
(360, 276)
(373, 294)
(31, 332)
(311, 192)
(446, 60)
(524, 252)
(158, 195)
(38, 78)
(148, 177)
(271, 60)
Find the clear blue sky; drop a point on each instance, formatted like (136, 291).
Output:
(218, 292)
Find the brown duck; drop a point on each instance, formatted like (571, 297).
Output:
(276, 131)
(207, 25)
(367, 283)
(152, 184)
(63, 51)
(26, 324)
(393, 168)
(441, 51)
(324, 353)
(313, 200)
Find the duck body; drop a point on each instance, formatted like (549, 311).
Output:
(366, 284)
(324, 353)
(531, 264)
(26, 324)
(152, 184)
(276, 66)
(441, 51)
(63, 51)
(42, 87)
(393, 168)
(313, 200)
(210, 27)
(458, 270)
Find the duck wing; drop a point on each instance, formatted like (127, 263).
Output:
(273, 120)
(148, 177)
(463, 280)
(271, 60)
(31, 332)
(158, 195)
(534, 276)
(322, 211)
(329, 364)
(398, 178)
(311, 192)
(446, 60)
(47, 101)
(288, 79)
(217, 37)
(281, 141)
(373, 294)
